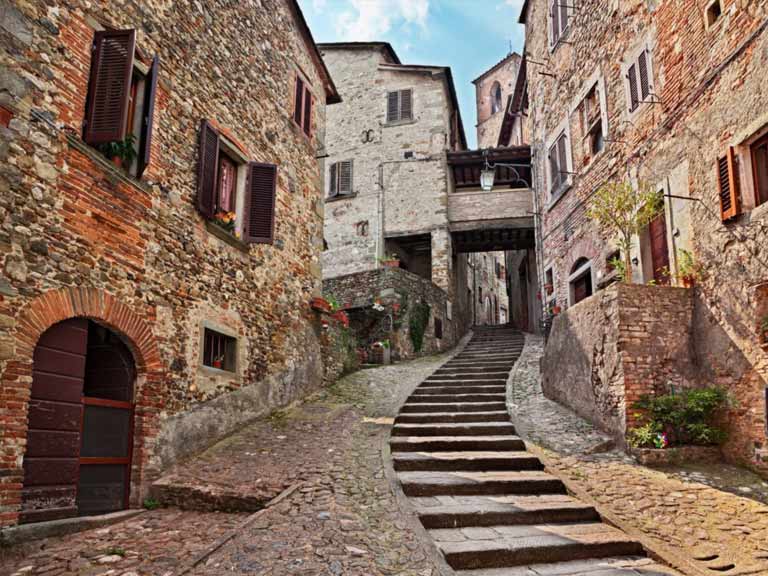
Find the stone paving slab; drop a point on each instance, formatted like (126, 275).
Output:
(473, 483)
(627, 566)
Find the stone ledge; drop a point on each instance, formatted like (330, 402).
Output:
(225, 236)
(678, 455)
(13, 535)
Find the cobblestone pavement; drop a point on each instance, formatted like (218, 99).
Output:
(696, 516)
(343, 518)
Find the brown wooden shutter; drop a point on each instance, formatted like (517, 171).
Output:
(298, 99)
(728, 185)
(106, 113)
(645, 83)
(334, 184)
(146, 122)
(307, 112)
(406, 105)
(345, 177)
(633, 92)
(260, 213)
(207, 169)
(393, 108)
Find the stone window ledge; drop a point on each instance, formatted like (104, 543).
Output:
(399, 123)
(225, 236)
(340, 197)
(108, 167)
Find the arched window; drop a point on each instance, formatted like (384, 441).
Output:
(495, 97)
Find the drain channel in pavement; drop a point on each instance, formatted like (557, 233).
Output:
(489, 506)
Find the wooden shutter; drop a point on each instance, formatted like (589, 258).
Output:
(260, 213)
(633, 92)
(345, 177)
(728, 185)
(106, 113)
(406, 105)
(393, 107)
(146, 122)
(307, 112)
(334, 184)
(298, 99)
(207, 169)
(554, 168)
(562, 161)
(645, 83)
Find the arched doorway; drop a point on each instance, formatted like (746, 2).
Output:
(80, 423)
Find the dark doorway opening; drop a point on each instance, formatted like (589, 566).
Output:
(78, 455)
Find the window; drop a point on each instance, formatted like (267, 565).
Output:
(559, 18)
(303, 102)
(219, 350)
(580, 281)
(639, 80)
(713, 13)
(439, 328)
(759, 151)
(558, 164)
(120, 102)
(399, 106)
(549, 284)
(233, 193)
(495, 98)
(592, 122)
(341, 179)
(729, 189)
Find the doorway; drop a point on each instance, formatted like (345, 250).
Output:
(80, 423)
(657, 234)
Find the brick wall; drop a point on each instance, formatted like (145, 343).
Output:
(71, 221)
(488, 122)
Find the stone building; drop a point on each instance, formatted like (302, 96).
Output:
(673, 95)
(493, 91)
(160, 235)
(387, 181)
(488, 282)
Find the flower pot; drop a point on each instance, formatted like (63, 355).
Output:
(341, 317)
(556, 310)
(320, 304)
(117, 161)
(391, 263)
(688, 281)
(217, 364)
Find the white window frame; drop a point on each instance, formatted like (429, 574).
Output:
(634, 60)
(583, 270)
(554, 41)
(596, 81)
(563, 129)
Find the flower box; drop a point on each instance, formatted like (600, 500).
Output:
(676, 455)
(320, 304)
(391, 263)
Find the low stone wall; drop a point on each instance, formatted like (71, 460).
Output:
(623, 342)
(396, 293)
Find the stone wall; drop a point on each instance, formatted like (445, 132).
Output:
(672, 142)
(607, 351)
(79, 236)
(488, 123)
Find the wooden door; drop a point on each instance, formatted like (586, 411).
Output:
(657, 230)
(51, 460)
(582, 287)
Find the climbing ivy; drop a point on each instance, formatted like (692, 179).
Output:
(418, 324)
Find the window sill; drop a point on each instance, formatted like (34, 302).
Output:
(558, 195)
(218, 371)
(759, 212)
(399, 123)
(111, 170)
(225, 236)
(340, 197)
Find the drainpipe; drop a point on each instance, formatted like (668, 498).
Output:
(538, 243)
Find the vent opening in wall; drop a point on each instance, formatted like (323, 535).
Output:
(408, 154)
(714, 11)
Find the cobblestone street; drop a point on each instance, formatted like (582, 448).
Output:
(341, 519)
(698, 517)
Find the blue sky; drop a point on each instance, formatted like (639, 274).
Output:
(470, 36)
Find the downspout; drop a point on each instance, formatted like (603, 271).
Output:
(538, 243)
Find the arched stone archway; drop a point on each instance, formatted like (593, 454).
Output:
(32, 322)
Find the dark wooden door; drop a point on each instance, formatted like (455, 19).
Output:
(659, 249)
(51, 460)
(582, 287)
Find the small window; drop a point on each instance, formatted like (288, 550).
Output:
(580, 281)
(303, 103)
(340, 179)
(759, 151)
(408, 154)
(219, 350)
(592, 122)
(639, 80)
(558, 164)
(439, 328)
(549, 283)
(559, 18)
(399, 105)
(714, 11)
(495, 98)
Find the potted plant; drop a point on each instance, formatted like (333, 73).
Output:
(556, 309)
(225, 220)
(391, 261)
(341, 317)
(688, 270)
(121, 152)
(218, 362)
(320, 304)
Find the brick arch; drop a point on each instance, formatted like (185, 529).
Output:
(34, 319)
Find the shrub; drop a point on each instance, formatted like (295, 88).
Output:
(418, 324)
(685, 418)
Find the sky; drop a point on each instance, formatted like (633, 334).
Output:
(470, 36)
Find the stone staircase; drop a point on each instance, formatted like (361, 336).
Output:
(489, 506)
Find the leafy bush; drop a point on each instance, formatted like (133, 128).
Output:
(418, 324)
(684, 418)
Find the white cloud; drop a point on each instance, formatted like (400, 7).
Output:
(371, 19)
(319, 5)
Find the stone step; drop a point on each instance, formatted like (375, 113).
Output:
(621, 566)
(465, 511)
(468, 365)
(493, 346)
(472, 369)
(437, 406)
(508, 546)
(432, 417)
(504, 355)
(466, 461)
(458, 429)
(419, 398)
(456, 443)
(478, 483)
(459, 389)
(460, 383)
(464, 375)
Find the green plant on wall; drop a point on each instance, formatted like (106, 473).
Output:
(418, 324)
(623, 210)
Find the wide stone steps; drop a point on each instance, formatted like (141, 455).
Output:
(464, 461)
(455, 443)
(434, 417)
(479, 483)
(508, 510)
(458, 429)
(488, 504)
